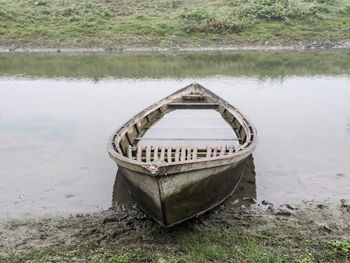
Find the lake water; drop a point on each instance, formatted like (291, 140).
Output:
(58, 110)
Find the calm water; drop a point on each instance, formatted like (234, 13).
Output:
(57, 111)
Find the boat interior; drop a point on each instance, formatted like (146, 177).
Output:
(158, 134)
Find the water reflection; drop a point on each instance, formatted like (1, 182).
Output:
(271, 64)
(244, 194)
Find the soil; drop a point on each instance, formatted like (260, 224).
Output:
(121, 224)
(32, 48)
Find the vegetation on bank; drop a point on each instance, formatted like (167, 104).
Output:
(226, 234)
(202, 244)
(118, 23)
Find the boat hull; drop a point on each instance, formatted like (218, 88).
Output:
(171, 199)
(172, 183)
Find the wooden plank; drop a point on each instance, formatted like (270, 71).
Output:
(193, 104)
(153, 116)
(132, 134)
(221, 109)
(155, 153)
(199, 150)
(193, 97)
(230, 149)
(124, 143)
(199, 105)
(208, 152)
(236, 123)
(169, 154)
(183, 153)
(177, 154)
(148, 154)
(139, 153)
(215, 152)
(162, 153)
(194, 154)
(137, 127)
(143, 123)
(185, 139)
(188, 157)
(130, 152)
(222, 150)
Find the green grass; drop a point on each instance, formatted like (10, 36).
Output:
(222, 235)
(109, 23)
(199, 244)
(342, 247)
(202, 244)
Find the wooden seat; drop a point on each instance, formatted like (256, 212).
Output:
(171, 154)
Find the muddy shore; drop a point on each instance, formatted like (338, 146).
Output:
(306, 230)
(345, 44)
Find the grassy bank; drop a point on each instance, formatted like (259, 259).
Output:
(304, 234)
(168, 23)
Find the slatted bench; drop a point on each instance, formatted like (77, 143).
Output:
(171, 154)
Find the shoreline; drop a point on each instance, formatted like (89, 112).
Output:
(308, 231)
(155, 49)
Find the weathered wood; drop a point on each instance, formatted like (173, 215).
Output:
(162, 153)
(189, 105)
(137, 127)
(148, 154)
(222, 150)
(185, 139)
(183, 186)
(124, 143)
(183, 153)
(193, 97)
(230, 149)
(155, 153)
(130, 152)
(188, 157)
(139, 153)
(194, 154)
(215, 152)
(177, 154)
(128, 138)
(208, 152)
(169, 154)
(200, 150)
(238, 148)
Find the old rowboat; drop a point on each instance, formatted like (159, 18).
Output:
(173, 183)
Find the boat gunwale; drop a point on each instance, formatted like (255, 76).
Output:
(162, 168)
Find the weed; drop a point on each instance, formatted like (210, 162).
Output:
(305, 259)
(12, 254)
(341, 247)
(200, 20)
(171, 22)
(345, 10)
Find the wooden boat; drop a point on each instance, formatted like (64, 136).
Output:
(174, 183)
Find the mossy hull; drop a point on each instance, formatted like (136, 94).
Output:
(174, 198)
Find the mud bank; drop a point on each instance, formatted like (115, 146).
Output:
(287, 232)
(147, 49)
